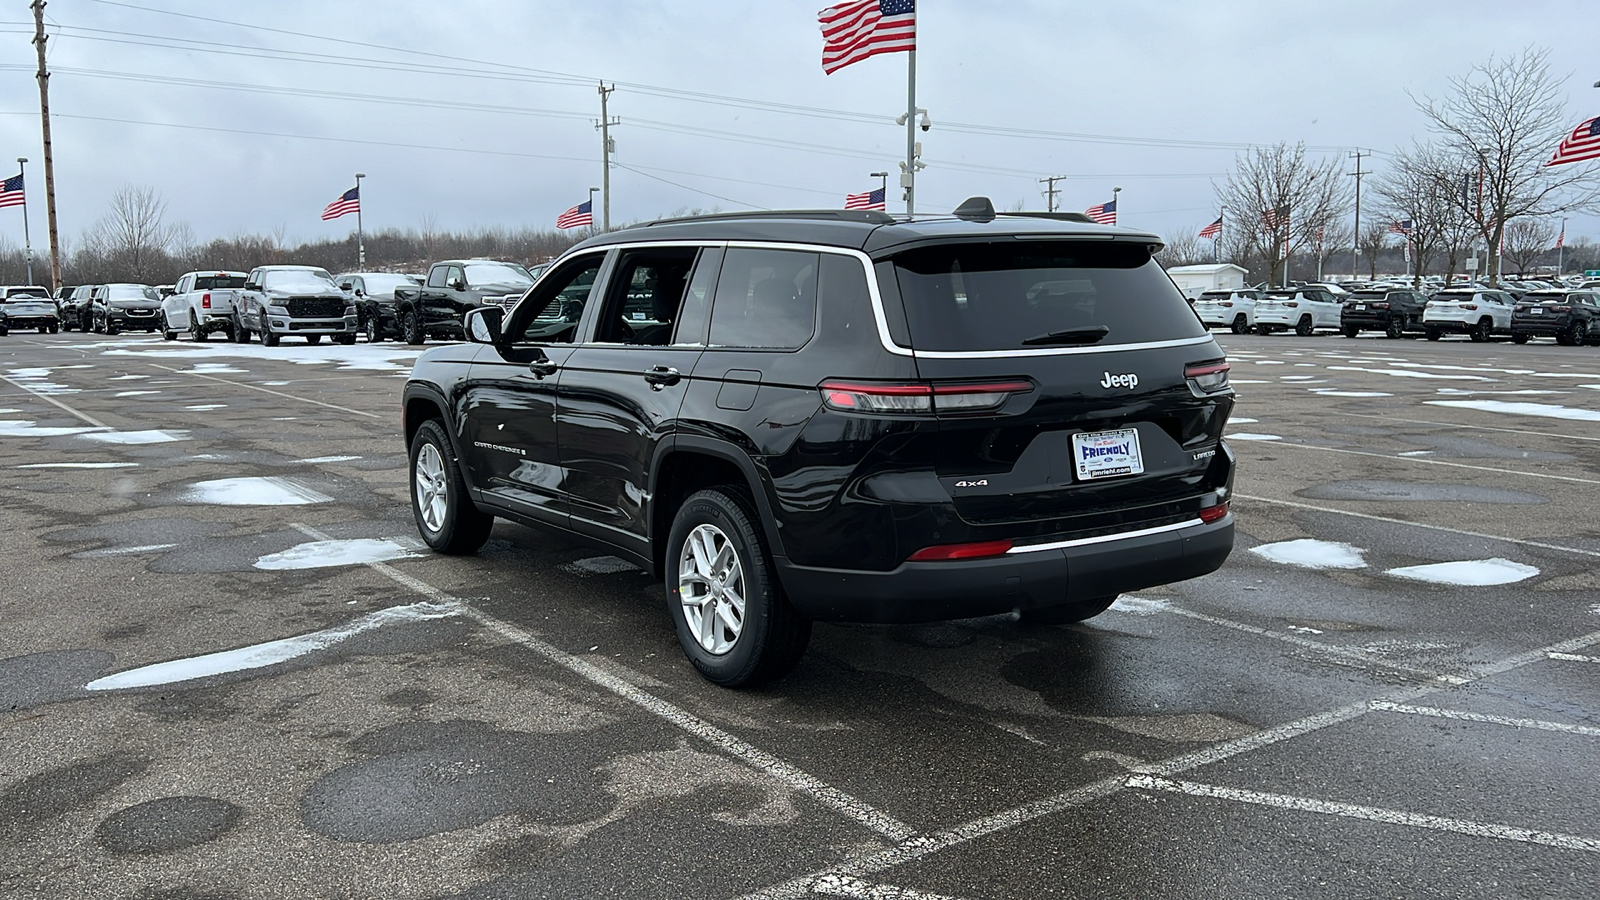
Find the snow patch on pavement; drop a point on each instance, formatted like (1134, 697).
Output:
(1542, 410)
(80, 465)
(153, 436)
(1308, 553)
(25, 428)
(1240, 420)
(268, 491)
(270, 653)
(1252, 436)
(325, 554)
(202, 407)
(1468, 573)
(1138, 606)
(1329, 392)
(329, 459)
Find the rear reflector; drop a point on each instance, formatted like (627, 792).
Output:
(1213, 513)
(917, 397)
(205, 301)
(946, 552)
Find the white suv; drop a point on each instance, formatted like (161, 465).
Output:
(1235, 310)
(1304, 309)
(1479, 314)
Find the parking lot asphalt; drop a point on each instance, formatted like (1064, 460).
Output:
(1391, 689)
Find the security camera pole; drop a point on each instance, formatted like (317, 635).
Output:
(27, 242)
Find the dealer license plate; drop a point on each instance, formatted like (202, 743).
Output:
(1361, 306)
(1106, 454)
(1535, 311)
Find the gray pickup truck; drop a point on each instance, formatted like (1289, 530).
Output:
(294, 301)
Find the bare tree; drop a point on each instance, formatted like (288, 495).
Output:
(1501, 126)
(1185, 248)
(1374, 237)
(1416, 189)
(1527, 239)
(1278, 199)
(133, 236)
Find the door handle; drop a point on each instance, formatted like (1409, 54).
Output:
(662, 376)
(542, 367)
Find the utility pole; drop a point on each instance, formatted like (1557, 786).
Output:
(49, 157)
(1050, 191)
(1355, 254)
(607, 147)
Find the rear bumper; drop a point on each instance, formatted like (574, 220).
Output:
(1541, 327)
(1379, 319)
(1038, 578)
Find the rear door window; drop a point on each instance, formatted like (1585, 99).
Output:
(1000, 296)
(765, 300)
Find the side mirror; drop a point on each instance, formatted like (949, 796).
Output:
(484, 325)
(346, 286)
(460, 284)
(251, 287)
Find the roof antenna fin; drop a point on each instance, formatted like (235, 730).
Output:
(975, 209)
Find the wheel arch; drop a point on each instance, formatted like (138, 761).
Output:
(690, 463)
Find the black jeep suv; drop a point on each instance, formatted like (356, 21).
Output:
(1395, 313)
(1571, 317)
(841, 416)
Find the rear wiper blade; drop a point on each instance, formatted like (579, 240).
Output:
(1088, 334)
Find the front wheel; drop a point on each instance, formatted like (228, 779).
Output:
(446, 517)
(167, 334)
(1076, 611)
(241, 334)
(1304, 327)
(411, 327)
(730, 615)
(347, 340)
(269, 337)
(373, 336)
(313, 338)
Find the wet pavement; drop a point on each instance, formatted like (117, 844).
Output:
(289, 698)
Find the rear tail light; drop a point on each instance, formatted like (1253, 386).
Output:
(1380, 306)
(1228, 303)
(1469, 306)
(918, 397)
(205, 301)
(1207, 377)
(1561, 309)
(1213, 513)
(948, 552)
(1292, 303)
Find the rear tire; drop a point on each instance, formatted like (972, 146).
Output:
(1434, 334)
(1520, 338)
(1068, 613)
(167, 334)
(1240, 325)
(446, 517)
(730, 614)
(1481, 331)
(196, 333)
(1304, 327)
(1577, 334)
(1396, 328)
(1350, 331)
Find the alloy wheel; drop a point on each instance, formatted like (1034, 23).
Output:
(432, 489)
(711, 587)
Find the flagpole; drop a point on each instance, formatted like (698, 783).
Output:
(1560, 249)
(27, 242)
(909, 179)
(361, 245)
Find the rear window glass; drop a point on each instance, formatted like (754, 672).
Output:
(1016, 295)
(1215, 295)
(766, 299)
(218, 282)
(1368, 295)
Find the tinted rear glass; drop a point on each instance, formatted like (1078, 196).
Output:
(1215, 295)
(986, 297)
(218, 282)
(1368, 295)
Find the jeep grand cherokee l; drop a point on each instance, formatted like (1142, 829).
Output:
(841, 416)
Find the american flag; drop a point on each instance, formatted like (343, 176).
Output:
(1275, 218)
(1562, 237)
(348, 202)
(858, 29)
(580, 215)
(1401, 227)
(11, 191)
(1104, 214)
(872, 199)
(1212, 230)
(1583, 143)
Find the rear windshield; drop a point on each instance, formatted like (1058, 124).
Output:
(218, 282)
(1215, 295)
(1017, 295)
(1368, 295)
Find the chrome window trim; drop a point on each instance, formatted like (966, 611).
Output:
(1104, 538)
(878, 316)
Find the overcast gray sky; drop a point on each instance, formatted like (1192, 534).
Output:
(1190, 82)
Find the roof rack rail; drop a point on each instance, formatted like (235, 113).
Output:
(865, 216)
(1058, 216)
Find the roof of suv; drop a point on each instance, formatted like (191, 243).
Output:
(868, 231)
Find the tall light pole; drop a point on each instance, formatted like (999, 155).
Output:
(27, 242)
(361, 245)
(1116, 204)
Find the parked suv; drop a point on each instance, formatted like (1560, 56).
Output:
(1478, 313)
(1233, 310)
(1571, 317)
(74, 308)
(1393, 312)
(1305, 309)
(841, 416)
(293, 301)
(374, 297)
(29, 306)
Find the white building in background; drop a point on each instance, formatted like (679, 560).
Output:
(1195, 280)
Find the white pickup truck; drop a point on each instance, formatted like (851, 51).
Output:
(200, 303)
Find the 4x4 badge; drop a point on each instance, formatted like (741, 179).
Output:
(1129, 380)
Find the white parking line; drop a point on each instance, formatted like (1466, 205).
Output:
(801, 781)
(1437, 713)
(264, 390)
(845, 886)
(1433, 462)
(926, 845)
(1573, 657)
(1360, 515)
(1551, 434)
(1368, 813)
(49, 399)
